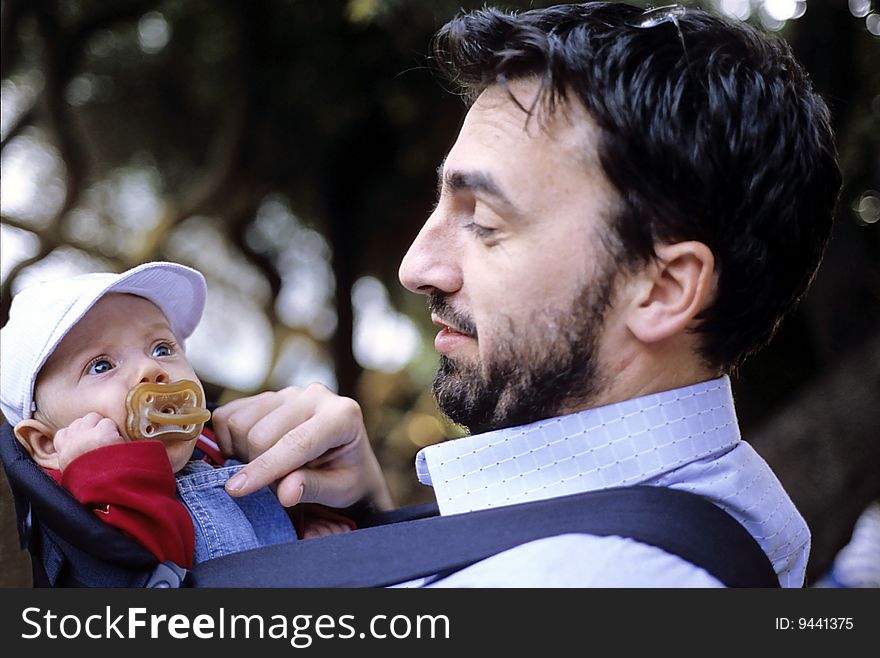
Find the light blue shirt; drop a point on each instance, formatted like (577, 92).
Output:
(686, 438)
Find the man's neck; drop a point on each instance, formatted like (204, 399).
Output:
(636, 374)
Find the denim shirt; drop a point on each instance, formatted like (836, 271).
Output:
(224, 524)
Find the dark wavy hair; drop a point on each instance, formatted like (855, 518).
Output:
(709, 130)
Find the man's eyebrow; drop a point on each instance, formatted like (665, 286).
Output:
(475, 181)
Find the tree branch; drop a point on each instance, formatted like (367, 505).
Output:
(109, 13)
(50, 239)
(13, 11)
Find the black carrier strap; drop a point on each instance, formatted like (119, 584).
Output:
(678, 522)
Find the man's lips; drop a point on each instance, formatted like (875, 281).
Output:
(449, 328)
(450, 338)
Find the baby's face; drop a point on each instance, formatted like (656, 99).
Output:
(122, 341)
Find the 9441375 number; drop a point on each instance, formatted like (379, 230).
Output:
(815, 623)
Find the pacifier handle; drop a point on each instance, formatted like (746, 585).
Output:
(185, 416)
(173, 411)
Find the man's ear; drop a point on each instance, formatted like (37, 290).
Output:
(671, 291)
(39, 440)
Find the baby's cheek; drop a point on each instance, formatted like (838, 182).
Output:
(179, 453)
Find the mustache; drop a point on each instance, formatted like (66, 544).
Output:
(439, 305)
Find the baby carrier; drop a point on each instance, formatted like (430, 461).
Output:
(71, 547)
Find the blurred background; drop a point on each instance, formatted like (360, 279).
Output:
(288, 150)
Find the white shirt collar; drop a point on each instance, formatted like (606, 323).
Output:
(619, 444)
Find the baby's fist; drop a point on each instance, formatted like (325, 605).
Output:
(84, 435)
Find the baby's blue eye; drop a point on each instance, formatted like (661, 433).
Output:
(99, 366)
(163, 349)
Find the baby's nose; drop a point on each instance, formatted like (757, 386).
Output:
(153, 373)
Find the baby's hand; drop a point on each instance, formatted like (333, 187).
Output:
(312, 520)
(84, 435)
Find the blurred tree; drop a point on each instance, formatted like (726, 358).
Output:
(809, 401)
(288, 149)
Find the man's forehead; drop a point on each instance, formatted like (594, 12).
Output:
(518, 111)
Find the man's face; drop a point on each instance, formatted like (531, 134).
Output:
(122, 341)
(512, 260)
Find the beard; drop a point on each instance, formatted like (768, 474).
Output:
(549, 365)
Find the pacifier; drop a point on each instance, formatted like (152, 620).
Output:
(158, 410)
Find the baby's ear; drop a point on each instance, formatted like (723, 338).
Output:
(39, 440)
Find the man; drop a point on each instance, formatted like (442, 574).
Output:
(634, 202)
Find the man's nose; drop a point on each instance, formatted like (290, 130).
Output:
(431, 263)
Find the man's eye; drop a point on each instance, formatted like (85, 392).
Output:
(163, 349)
(98, 367)
(479, 230)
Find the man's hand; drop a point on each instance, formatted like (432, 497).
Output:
(312, 442)
(84, 435)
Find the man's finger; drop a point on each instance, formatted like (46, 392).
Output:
(296, 448)
(291, 488)
(232, 421)
(332, 487)
(295, 408)
(281, 424)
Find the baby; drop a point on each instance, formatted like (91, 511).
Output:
(100, 393)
